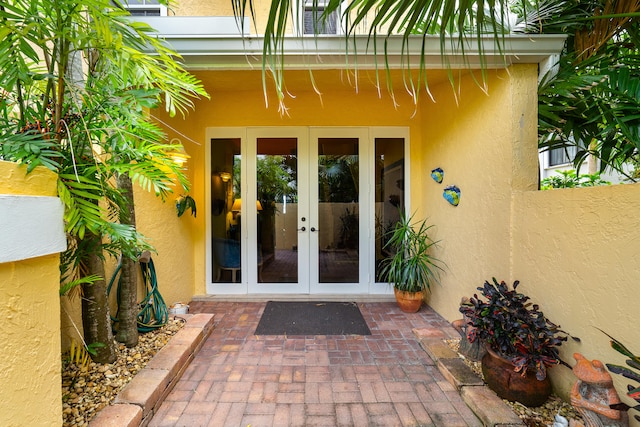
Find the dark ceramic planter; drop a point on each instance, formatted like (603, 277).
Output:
(409, 302)
(508, 384)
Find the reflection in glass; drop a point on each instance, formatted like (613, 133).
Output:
(389, 192)
(277, 237)
(225, 224)
(338, 210)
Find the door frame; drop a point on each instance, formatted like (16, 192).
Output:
(249, 283)
(364, 248)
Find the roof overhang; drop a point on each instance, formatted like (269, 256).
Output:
(337, 52)
(204, 46)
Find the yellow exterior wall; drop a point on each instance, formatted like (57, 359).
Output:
(221, 8)
(30, 367)
(571, 249)
(475, 142)
(575, 252)
(231, 105)
(169, 235)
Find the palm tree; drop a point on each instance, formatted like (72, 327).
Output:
(591, 98)
(75, 81)
(592, 102)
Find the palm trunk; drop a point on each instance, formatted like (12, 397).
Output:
(96, 320)
(128, 295)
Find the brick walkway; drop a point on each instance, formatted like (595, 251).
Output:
(385, 379)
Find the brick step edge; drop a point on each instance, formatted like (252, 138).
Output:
(136, 403)
(484, 403)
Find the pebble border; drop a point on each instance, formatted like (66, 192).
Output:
(136, 403)
(484, 403)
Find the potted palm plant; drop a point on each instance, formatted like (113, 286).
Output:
(411, 267)
(521, 342)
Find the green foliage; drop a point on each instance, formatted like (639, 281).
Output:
(411, 267)
(349, 229)
(77, 80)
(569, 179)
(514, 328)
(80, 354)
(631, 371)
(589, 99)
(275, 177)
(185, 202)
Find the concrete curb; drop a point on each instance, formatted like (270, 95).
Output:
(141, 397)
(484, 403)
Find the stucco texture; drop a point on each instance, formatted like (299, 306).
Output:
(475, 140)
(575, 252)
(237, 99)
(30, 367)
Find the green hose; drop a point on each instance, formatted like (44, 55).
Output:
(153, 312)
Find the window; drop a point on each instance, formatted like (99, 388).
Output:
(561, 156)
(145, 8)
(311, 16)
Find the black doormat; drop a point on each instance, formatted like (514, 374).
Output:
(312, 318)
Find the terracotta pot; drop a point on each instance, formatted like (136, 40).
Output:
(409, 302)
(511, 385)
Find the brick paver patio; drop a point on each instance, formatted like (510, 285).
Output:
(385, 379)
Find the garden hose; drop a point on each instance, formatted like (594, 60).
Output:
(153, 312)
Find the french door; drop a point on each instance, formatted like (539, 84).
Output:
(292, 208)
(309, 218)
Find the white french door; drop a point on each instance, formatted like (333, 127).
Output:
(306, 230)
(292, 208)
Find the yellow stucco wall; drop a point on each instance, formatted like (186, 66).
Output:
(237, 100)
(475, 142)
(221, 8)
(575, 252)
(166, 232)
(29, 306)
(503, 227)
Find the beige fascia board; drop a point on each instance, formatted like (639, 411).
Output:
(330, 52)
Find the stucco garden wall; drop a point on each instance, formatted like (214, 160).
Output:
(169, 234)
(575, 252)
(481, 142)
(30, 366)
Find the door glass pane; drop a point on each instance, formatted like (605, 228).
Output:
(225, 225)
(338, 210)
(277, 189)
(389, 192)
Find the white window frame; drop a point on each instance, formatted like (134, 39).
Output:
(146, 5)
(300, 22)
(568, 154)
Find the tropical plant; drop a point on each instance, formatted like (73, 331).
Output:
(513, 327)
(631, 371)
(570, 179)
(76, 81)
(591, 97)
(411, 267)
(588, 99)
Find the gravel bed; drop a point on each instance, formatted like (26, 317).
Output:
(86, 390)
(541, 416)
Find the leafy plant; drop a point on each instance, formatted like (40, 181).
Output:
(77, 80)
(185, 202)
(349, 229)
(633, 362)
(411, 267)
(570, 179)
(514, 328)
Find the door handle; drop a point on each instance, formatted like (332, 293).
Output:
(302, 229)
(313, 229)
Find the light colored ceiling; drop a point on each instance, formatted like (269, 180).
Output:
(304, 80)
